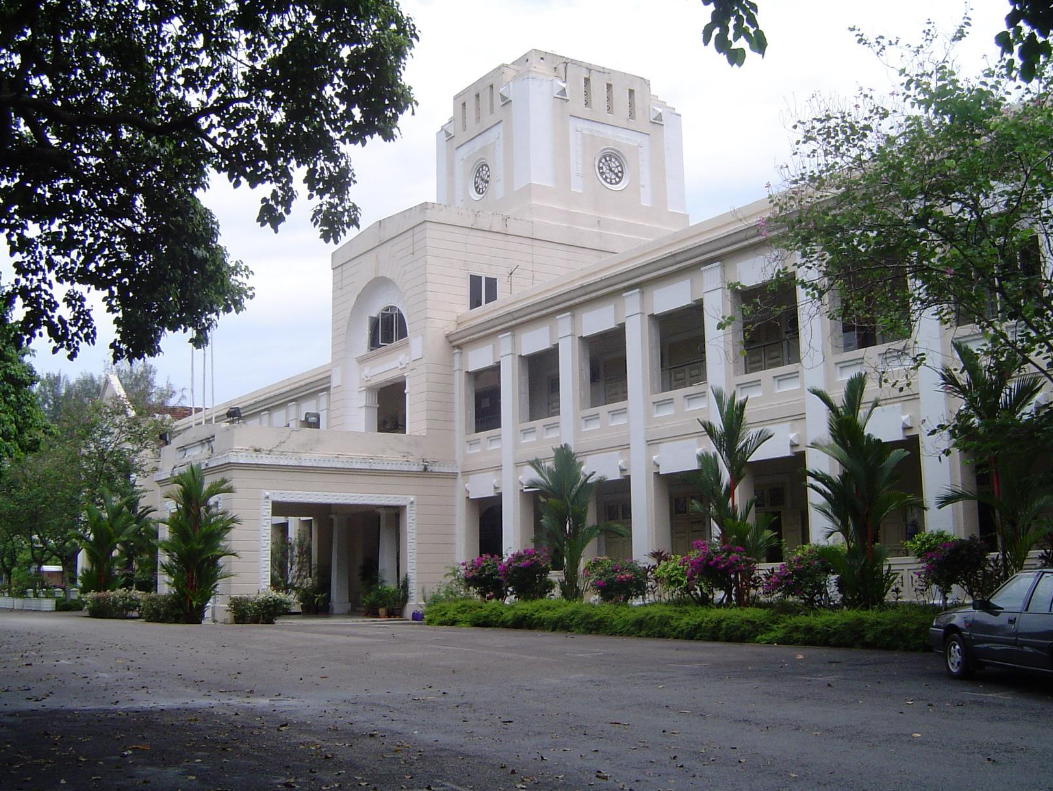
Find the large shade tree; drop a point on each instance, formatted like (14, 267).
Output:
(938, 198)
(113, 115)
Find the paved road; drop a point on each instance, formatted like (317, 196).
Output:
(326, 704)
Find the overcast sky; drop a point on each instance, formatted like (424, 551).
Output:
(735, 135)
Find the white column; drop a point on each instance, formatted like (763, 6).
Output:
(339, 603)
(388, 560)
(720, 344)
(569, 397)
(511, 539)
(640, 467)
(460, 548)
(813, 374)
(936, 469)
(369, 409)
(315, 542)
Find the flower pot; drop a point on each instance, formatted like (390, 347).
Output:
(382, 612)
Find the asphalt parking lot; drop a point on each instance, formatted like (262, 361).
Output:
(339, 704)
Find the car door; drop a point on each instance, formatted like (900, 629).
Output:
(1034, 629)
(994, 625)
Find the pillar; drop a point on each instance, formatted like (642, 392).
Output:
(641, 479)
(460, 549)
(813, 374)
(511, 538)
(388, 554)
(369, 409)
(936, 469)
(568, 380)
(339, 574)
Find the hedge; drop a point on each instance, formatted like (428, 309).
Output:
(897, 628)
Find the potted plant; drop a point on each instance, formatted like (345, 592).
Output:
(371, 601)
(386, 598)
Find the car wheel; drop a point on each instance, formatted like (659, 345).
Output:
(956, 657)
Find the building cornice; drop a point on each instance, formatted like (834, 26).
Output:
(302, 461)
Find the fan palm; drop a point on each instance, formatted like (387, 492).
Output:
(196, 544)
(564, 492)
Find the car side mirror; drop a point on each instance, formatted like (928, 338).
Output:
(984, 604)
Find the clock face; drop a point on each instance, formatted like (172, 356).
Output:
(480, 179)
(611, 169)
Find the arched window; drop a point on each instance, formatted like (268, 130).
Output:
(386, 328)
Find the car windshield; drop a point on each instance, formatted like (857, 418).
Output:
(1011, 595)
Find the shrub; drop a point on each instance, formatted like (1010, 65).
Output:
(112, 604)
(525, 574)
(161, 608)
(713, 567)
(483, 576)
(618, 581)
(670, 576)
(804, 576)
(962, 562)
(453, 589)
(69, 605)
(924, 543)
(903, 627)
(262, 608)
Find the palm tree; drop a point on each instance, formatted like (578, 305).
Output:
(109, 528)
(565, 491)
(992, 424)
(733, 446)
(862, 494)
(196, 542)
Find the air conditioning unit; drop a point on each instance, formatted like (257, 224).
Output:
(312, 420)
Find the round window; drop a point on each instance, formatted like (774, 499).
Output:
(612, 169)
(480, 179)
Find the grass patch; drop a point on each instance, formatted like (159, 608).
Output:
(897, 628)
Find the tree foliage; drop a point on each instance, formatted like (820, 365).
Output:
(564, 493)
(112, 116)
(946, 186)
(118, 527)
(196, 545)
(732, 21)
(22, 422)
(1024, 42)
(999, 429)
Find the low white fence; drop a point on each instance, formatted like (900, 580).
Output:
(15, 603)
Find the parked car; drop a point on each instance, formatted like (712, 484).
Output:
(1014, 628)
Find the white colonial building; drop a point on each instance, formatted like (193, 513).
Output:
(554, 293)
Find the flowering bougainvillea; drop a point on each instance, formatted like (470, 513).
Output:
(483, 576)
(525, 574)
(618, 581)
(804, 576)
(721, 567)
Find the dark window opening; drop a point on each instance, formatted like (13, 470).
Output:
(683, 348)
(770, 336)
(481, 291)
(487, 399)
(386, 328)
